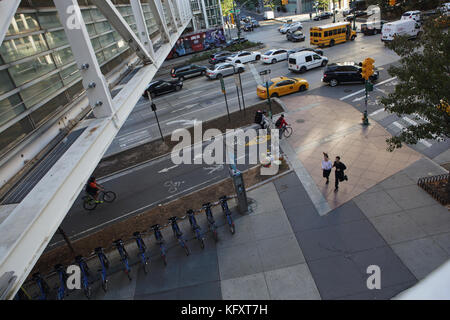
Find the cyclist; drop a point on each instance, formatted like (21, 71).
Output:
(281, 124)
(93, 188)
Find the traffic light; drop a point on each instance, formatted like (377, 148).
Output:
(232, 18)
(367, 68)
(283, 2)
(392, 2)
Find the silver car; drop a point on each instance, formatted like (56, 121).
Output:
(224, 69)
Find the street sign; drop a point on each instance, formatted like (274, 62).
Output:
(264, 72)
(369, 86)
(236, 79)
(222, 84)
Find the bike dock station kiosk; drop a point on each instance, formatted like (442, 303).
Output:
(239, 187)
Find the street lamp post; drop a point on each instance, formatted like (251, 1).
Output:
(238, 22)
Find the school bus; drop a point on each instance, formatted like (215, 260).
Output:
(332, 33)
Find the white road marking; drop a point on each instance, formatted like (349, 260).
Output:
(189, 106)
(358, 99)
(167, 169)
(362, 90)
(422, 141)
(376, 112)
(411, 122)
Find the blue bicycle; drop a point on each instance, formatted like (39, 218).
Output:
(123, 256)
(62, 275)
(141, 246)
(159, 238)
(196, 228)
(104, 262)
(211, 223)
(227, 212)
(84, 275)
(178, 234)
(43, 286)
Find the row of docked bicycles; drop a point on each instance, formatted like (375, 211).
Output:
(144, 256)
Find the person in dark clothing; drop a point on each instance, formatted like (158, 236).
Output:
(339, 173)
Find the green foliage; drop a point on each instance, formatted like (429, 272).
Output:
(424, 82)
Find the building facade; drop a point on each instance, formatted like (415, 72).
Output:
(207, 14)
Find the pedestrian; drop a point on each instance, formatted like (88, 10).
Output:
(326, 167)
(339, 174)
(310, 16)
(295, 11)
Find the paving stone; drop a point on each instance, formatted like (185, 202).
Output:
(421, 256)
(265, 201)
(376, 203)
(292, 283)
(279, 252)
(203, 291)
(410, 197)
(382, 294)
(198, 269)
(166, 295)
(433, 219)
(243, 234)
(239, 261)
(423, 168)
(397, 180)
(339, 240)
(270, 225)
(250, 287)
(397, 227)
(443, 240)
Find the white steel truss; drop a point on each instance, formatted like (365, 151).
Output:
(7, 9)
(26, 232)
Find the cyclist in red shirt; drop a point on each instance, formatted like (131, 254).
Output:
(281, 124)
(92, 188)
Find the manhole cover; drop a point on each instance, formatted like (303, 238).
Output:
(348, 90)
(299, 120)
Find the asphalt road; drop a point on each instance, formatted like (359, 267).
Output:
(202, 99)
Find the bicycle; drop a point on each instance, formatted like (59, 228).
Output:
(62, 275)
(160, 239)
(141, 246)
(84, 275)
(89, 202)
(196, 228)
(286, 131)
(123, 256)
(104, 262)
(227, 212)
(42, 284)
(211, 223)
(178, 234)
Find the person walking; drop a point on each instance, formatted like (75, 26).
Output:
(326, 167)
(339, 174)
(310, 16)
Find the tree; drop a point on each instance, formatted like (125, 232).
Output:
(423, 89)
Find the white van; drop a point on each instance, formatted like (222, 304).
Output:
(414, 15)
(399, 28)
(268, 15)
(305, 60)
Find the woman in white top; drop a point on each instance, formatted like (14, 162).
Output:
(326, 167)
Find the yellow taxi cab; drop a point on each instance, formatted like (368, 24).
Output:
(281, 86)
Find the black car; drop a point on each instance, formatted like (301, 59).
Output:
(323, 15)
(187, 71)
(318, 51)
(161, 86)
(234, 41)
(295, 36)
(219, 57)
(347, 72)
(355, 14)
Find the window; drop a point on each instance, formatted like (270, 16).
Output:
(27, 71)
(23, 22)
(308, 58)
(56, 39)
(281, 83)
(40, 90)
(49, 20)
(106, 39)
(15, 49)
(317, 57)
(70, 74)
(43, 112)
(289, 82)
(335, 32)
(14, 133)
(86, 16)
(326, 34)
(10, 107)
(63, 56)
(5, 82)
(102, 27)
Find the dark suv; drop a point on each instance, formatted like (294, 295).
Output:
(219, 57)
(347, 72)
(190, 70)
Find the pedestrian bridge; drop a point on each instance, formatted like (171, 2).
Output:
(27, 226)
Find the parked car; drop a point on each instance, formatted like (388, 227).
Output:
(294, 27)
(161, 86)
(187, 71)
(284, 29)
(219, 57)
(284, 25)
(415, 15)
(255, 23)
(305, 60)
(247, 26)
(295, 36)
(234, 41)
(244, 57)
(346, 72)
(281, 86)
(356, 14)
(406, 27)
(224, 69)
(274, 55)
(323, 15)
(347, 11)
(318, 51)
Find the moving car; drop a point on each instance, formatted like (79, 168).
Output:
(295, 27)
(224, 69)
(234, 41)
(190, 70)
(323, 15)
(255, 23)
(281, 86)
(331, 34)
(295, 36)
(414, 15)
(346, 72)
(284, 25)
(274, 55)
(161, 86)
(347, 11)
(318, 51)
(219, 57)
(408, 28)
(356, 14)
(305, 60)
(244, 57)
(248, 26)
